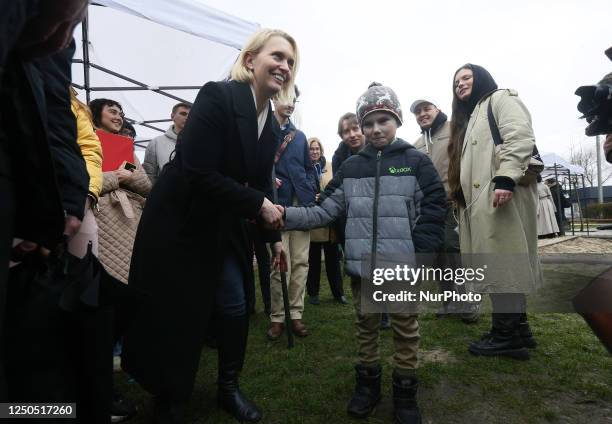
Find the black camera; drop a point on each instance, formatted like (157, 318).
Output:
(596, 104)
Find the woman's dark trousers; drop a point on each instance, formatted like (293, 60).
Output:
(232, 329)
(263, 266)
(332, 268)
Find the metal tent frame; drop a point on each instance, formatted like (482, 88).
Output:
(88, 65)
(569, 181)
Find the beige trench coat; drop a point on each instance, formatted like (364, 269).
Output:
(547, 223)
(507, 234)
(119, 211)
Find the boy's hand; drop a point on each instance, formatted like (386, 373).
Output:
(279, 261)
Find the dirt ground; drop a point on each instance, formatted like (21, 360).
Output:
(577, 245)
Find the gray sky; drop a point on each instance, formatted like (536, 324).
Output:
(544, 49)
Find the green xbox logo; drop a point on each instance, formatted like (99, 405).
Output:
(405, 170)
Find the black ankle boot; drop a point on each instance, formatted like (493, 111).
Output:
(367, 391)
(500, 343)
(504, 338)
(406, 410)
(232, 335)
(232, 400)
(525, 333)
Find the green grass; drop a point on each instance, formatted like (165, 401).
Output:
(567, 380)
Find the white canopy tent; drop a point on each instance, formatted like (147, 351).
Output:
(150, 54)
(552, 160)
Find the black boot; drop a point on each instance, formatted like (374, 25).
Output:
(169, 412)
(231, 344)
(367, 391)
(406, 410)
(525, 333)
(503, 340)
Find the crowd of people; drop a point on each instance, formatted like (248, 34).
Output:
(232, 179)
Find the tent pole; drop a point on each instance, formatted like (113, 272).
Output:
(559, 210)
(569, 176)
(138, 83)
(85, 32)
(585, 205)
(599, 186)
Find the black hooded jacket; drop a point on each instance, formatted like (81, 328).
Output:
(436, 124)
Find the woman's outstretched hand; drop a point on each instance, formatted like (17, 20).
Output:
(273, 218)
(501, 197)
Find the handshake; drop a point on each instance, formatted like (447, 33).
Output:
(272, 215)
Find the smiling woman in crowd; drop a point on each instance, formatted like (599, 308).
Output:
(193, 255)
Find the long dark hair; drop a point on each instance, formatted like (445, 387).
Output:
(458, 125)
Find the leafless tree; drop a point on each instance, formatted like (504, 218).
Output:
(584, 155)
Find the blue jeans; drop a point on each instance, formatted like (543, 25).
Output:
(230, 298)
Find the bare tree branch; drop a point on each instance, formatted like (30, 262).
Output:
(586, 157)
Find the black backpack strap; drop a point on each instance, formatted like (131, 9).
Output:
(493, 125)
(495, 131)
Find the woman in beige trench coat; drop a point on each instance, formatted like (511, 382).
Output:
(497, 214)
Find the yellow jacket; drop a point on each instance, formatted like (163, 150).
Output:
(91, 149)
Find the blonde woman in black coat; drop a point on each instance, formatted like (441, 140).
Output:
(192, 252)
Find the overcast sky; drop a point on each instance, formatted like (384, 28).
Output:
(544, 49)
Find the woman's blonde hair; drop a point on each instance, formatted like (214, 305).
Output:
(255, 44)
(316, 140)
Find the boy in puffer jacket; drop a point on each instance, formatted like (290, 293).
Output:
(394, 203)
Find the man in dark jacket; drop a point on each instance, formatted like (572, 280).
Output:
(297, 182)
(352, 142)
(395, 204)
(352, 139)
(561, 201)
(32, 207)
(435, 133)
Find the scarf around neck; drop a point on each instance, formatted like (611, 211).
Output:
(436, 124)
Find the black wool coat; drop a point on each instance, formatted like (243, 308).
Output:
(195, 216)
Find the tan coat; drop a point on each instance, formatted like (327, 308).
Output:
(437, 150)
(120, 208)
(508, 232)
(325, 234)
(547, 223)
